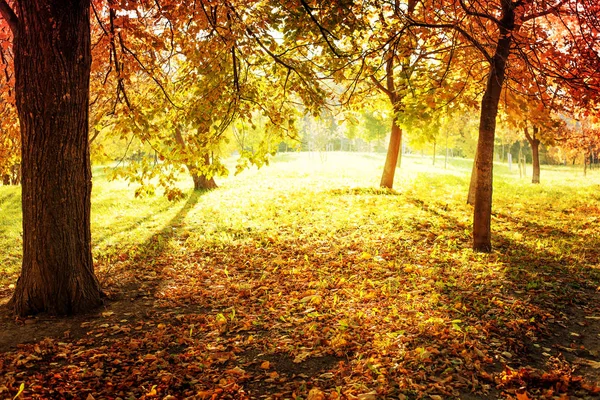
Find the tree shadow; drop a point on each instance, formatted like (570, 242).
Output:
(97, 240)
(141, 276)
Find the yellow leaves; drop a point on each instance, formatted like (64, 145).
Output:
(312, 299)
(265, 365)
(21, 389)
(152, 392)
(316, 394)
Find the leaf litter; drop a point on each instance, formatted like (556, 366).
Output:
(331, 294)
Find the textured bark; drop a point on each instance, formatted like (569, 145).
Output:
(482, 214)
(52, 70)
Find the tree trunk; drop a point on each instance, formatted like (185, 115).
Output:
(52, 69)
(434, 149)
(6, 179)
(521, 166)
(446, 156)
(387, 179)
(201, 181)
(16, 174)
(534, 142)
(482, 215)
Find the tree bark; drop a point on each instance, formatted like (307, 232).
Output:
(482, 214)
(534, 142)
(202, 181)
(395, 145)
(389, 169)
(52, 70)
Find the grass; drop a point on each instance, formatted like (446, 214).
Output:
(303, 194)
(310, 259)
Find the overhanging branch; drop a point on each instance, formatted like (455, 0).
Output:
(9, 16)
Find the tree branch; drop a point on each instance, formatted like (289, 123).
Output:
(474, 13)
(460, 30)
(9, 16)
(380, 86)
(551, 10)
(325, 33)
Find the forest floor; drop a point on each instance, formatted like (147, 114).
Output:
(315, 285)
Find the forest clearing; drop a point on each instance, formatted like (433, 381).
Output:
(305, 280)
(299, 199)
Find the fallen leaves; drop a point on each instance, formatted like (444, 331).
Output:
(349, 295)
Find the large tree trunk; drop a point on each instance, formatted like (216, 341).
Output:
(202, 181)
(482, 215)
(534, 142)
(389, 169)
(52, 69)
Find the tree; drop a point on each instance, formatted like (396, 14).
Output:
(52, 61)
(399, 63)
(196, 70)
(555, 39)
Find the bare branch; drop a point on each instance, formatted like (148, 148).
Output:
(549, 11)
(474, 13)
(460, 30)
(325, 33)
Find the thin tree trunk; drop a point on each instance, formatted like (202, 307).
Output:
(521, 165)
(482, 214)
(446, 157)
(434, 148)
(534, 142)
(16, 174)
(395, 145)
(52, 69)
(389, 169)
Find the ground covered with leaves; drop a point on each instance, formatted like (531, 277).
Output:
(304, 281)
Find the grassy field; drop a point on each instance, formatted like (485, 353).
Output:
(122, 223)
(313, 280)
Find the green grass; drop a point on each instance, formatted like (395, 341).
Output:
(310, 260)
(306, 195)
